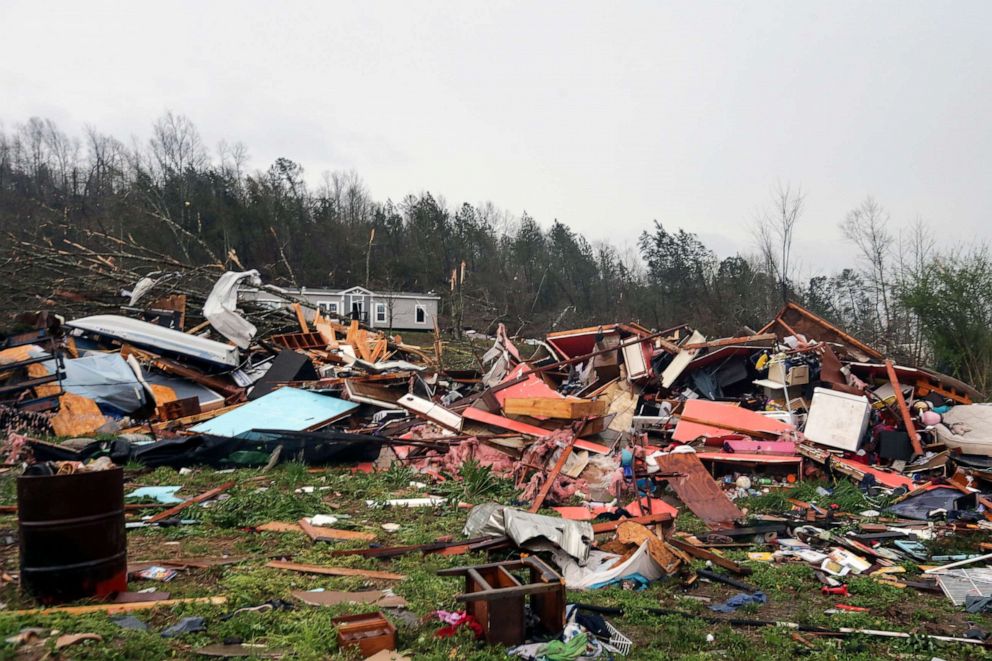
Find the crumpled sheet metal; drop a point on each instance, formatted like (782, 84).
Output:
(221, 307)
(534, 531)
(106, 378)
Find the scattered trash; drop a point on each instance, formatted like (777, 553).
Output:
(129, 622)
(602, 438)
(184, 626)
(68, 640)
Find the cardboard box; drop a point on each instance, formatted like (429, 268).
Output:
(796, 375)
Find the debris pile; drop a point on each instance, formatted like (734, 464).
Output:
(636, 455)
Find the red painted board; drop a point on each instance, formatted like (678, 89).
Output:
(761, 447)
(746, 457)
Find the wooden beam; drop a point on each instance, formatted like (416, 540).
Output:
(705, 554)
(113, 609)
(730, 341)
(182, 422)
(645, 520)
(566, 408)
(335, 571)
(907, 419)
(206, 495)
(301, 318)
(552, 476)
(322, 534)
(172, 367)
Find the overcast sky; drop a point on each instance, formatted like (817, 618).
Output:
(603, 115)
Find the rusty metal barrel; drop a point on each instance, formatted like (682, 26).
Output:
(72, 538)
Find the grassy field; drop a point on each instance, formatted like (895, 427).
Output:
(305, 631)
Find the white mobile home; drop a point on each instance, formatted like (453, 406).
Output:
(383, 310)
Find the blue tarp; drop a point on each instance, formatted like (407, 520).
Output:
(289, 409)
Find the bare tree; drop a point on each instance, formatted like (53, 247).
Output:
(233, 162)
(176, 145)
(867, 228)
(774, 230)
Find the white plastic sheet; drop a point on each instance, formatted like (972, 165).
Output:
(221, 308)
(606, 567)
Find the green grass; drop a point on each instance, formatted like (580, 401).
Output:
(307, 631)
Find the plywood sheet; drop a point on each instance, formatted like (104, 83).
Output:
(700, 492)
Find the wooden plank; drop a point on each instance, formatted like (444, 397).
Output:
(301, 318)
(226, 387)
(552, 476)
(706, 418)
(907, 419)
(335, 571)
(280, 526)
(486, 418)
(731, 341)
(206, 495)
(704, 554)
(647, 519)
(322, 534)
(570, 408)
(183, 422)
(113, 609)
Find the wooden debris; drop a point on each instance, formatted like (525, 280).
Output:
(552, 476)
(206, 495)
(335, 571)
(566, 408)
(712, 556)
(322, 534)
(114, 609)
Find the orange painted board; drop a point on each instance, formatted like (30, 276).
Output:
(891, 480)
(717, 412)
(658, 506)
(486, 418)
(589, 446)
(581, 513)
(532, 386)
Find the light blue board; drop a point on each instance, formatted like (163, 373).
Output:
(288, 409)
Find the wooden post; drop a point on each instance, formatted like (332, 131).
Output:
(553, 475)
(907, 419)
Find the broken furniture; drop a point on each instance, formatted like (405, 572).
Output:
(369, 632)
(15, 354)
(496, 598)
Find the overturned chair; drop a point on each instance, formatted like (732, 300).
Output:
(496, 597)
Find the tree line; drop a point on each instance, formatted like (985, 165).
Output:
(189, 204)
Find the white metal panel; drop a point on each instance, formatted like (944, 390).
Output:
(837, 419)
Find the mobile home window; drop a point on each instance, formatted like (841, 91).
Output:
(421, 314)
(332, 308)
(380, 312)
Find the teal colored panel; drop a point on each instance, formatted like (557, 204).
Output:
(288, 409)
